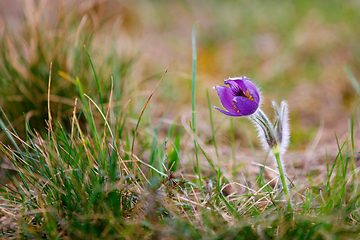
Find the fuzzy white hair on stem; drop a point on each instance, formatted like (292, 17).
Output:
(260, 130)
(282, 128)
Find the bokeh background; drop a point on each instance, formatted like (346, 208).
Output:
(294, 50)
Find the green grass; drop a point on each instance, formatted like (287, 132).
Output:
(72, 184)
(92, 153)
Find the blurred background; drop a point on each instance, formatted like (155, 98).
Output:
(293, 50)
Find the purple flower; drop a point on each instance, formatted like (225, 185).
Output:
(240, 99)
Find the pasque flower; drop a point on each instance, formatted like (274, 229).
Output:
(241, 98)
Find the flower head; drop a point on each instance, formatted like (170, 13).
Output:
(241, 98)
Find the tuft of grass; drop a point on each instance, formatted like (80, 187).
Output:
(25, 54)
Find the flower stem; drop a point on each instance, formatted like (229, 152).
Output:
(276, 152)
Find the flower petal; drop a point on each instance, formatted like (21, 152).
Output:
(236, 85)
(245, 106)
(228, 113)
(252, 90)
(243, 84)
(226, 97)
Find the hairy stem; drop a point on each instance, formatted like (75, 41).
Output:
(282, 177)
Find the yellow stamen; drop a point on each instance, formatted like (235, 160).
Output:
(248, 95)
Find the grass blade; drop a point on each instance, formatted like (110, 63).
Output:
(212, 126)
(352, 79)
(193, 88)
(96, 79)
(142, 112)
